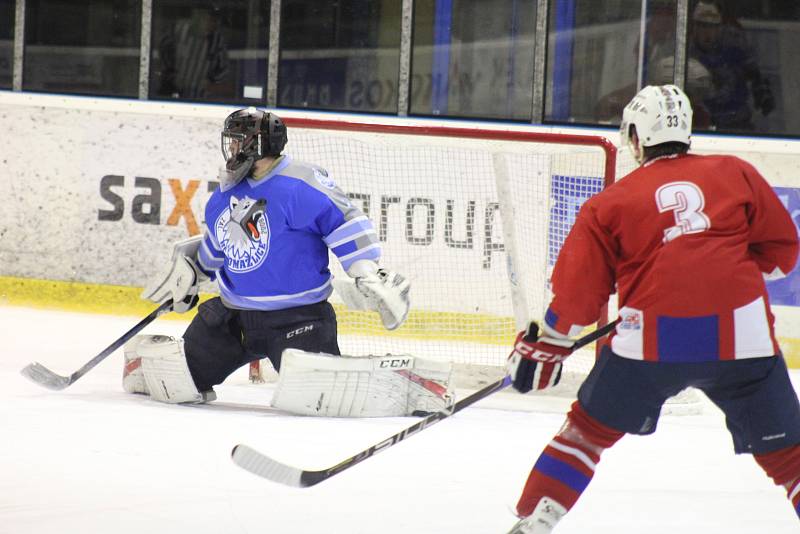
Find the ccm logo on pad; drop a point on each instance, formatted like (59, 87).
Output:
(395, 363)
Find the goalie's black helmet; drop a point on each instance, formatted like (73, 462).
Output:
(252, 134)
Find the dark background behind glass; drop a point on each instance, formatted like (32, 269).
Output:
(593, 56)
(83, 46)
(340, 55)
(6, 43)
(470, 58)
(753, 67)
(209, 51)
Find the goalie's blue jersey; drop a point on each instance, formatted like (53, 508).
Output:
(267, 238)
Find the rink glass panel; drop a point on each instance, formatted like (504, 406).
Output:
(6, 43)
(473, 58)
(209, 51)
(82, 47)
(753, 74)
(594, 65)
(340, 55)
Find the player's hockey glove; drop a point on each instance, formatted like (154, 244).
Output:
(535, 362)
(387, 293)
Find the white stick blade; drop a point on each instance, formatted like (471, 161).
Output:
(43, 376)
(251, 460)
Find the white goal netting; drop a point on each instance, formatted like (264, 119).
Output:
(475, 219)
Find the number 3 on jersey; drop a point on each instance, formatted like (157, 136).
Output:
(686, 201)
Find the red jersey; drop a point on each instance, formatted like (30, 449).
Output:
(687, 240)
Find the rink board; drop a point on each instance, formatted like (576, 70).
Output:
(123, 180)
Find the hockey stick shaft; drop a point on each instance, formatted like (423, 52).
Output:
(264, 466)
(47, 378)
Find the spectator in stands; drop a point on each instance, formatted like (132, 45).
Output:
(698, 85)
(658, 50)
(720, 45)
(193, 56)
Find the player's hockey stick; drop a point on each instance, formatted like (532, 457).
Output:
(47, 378)
(262, 465)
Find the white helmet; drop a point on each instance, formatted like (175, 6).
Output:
(661, 114)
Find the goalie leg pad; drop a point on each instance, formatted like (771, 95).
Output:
(373, 386)
(429, 387)
(166, 372)
(132, 376)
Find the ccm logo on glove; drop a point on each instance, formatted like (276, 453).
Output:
(535, 363)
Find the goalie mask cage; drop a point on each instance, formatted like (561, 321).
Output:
(474, 217)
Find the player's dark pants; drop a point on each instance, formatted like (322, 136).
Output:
(220, 340)
(760, 405)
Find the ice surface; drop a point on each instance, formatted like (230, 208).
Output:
(92, 459)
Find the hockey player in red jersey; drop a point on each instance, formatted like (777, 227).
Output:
(687, 242)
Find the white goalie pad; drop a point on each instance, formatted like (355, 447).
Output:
(163, 368)
(370, 386)
(132, 376)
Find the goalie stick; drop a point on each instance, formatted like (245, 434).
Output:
(262, 465)
(45, 377)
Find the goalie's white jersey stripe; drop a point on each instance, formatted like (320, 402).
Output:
(351, 222)
(359, 252)
(274, 302)
(209, 263)
(211, 251)
(352, 237)
(344, 229)
(577, 453)
(273, 298)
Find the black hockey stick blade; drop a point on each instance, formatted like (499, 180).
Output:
(262, 465)
(43, 376)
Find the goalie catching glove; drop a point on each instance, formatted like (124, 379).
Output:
(535, 362)
(180, 280)
(386, 292)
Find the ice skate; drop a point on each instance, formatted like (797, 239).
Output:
(543, 519)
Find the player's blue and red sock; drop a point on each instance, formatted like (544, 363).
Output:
(566, 466)
(783, 467)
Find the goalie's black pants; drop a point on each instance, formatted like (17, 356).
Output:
(220, 339)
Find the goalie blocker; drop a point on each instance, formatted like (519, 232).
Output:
(180, 279)
(370, 386)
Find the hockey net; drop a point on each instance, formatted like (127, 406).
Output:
(475, 219)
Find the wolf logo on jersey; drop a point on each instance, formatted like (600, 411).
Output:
(243, 233)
